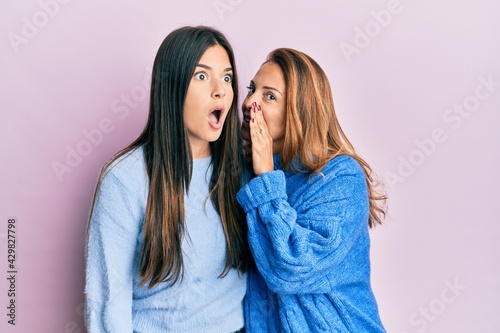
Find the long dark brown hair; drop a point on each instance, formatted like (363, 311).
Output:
(169, 160)
(313, 133)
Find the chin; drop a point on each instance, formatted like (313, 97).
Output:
(214, 137)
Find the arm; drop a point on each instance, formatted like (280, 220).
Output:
(112, 239)
(296, 248)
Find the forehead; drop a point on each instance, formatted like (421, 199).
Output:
(215, 55)
(270, 74)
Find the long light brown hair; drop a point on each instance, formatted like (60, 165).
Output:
(169, 161)
(313, 133)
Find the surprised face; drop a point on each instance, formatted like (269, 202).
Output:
(208, 100)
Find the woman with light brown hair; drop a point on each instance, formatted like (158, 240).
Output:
(309, 206)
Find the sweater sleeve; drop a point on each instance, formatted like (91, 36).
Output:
(296, 248)
(111, 244)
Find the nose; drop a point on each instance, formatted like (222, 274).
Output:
(218, 90)
(247, 102)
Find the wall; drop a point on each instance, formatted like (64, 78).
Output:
(416, 86)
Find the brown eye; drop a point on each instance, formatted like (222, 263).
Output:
(270, 97)
(200, 76)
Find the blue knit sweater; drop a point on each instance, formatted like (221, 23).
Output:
(309, 236)
(115, 303)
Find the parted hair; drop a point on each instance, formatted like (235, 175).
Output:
(313, 134)
(169, 160)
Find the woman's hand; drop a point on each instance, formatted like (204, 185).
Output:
(262, 143)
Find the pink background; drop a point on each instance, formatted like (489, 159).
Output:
(72, 79)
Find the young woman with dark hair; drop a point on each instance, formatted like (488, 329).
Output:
(309, 206)
(167, 242)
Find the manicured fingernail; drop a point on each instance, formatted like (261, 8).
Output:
(254, 104)
(258, 107)
(253, 109)
(253, 120)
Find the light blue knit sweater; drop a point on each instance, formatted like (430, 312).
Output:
(309, 236)
(115, 303)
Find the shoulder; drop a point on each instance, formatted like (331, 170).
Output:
(342, 175)
(343, 165)
(127, 164)
(121, 193)
(129, 169)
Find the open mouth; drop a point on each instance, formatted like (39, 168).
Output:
(215, 116)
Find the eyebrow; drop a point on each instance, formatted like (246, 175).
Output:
(268, 87)
(229, 69)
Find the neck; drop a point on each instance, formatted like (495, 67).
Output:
(200, 151)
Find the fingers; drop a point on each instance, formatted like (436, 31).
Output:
(258, 125)
(261, 141)
(254, 130)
